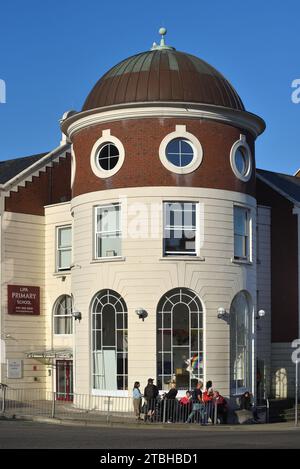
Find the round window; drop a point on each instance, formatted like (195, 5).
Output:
(241, 161)
(108, 156)
(180, 152)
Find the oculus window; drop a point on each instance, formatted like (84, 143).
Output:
(241, 160)
(108, 157)
(180, 152)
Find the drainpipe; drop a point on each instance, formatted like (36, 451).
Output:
(296, 211)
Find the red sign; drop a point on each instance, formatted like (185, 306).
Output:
(23, 300)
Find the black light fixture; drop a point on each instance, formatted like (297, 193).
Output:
(77, 315)
(222, 314)
(142, 313)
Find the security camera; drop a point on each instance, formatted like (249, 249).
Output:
(142, 314)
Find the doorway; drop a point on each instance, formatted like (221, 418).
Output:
(64, 380)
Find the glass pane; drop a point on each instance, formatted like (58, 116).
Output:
(113, 151)
(97, 340)
(180, 324)
(120, 364)
(240, 221)
(194, 340)
(194, 320)
(108, 219)
(120, 322)
(122, 345)
(173, 146)
(175, 244)
(240, 247)
(166, 320)
(174, 159)
(186, 147)
(167, 341)
(113, 162)
(64, 259)
(108, 330)
(109, 245)
(180, 355)
(241, 161)
(64, 237)
(167, 363)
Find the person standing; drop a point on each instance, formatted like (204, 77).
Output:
(198, 407)
(137, 400)
(150, 394)
(171, 403)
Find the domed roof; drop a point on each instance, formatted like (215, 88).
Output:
(163, 74)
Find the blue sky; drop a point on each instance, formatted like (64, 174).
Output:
(52, 53)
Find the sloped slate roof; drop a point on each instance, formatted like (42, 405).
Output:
(11, 168)
(289, 185)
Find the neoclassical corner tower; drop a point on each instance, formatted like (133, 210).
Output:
(165, 137)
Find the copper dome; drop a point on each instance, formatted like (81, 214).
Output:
(163, 75)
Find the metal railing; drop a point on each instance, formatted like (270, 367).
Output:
(109, 409)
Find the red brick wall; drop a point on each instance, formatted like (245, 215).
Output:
(50, 187)
(142, 166)
(284, 264)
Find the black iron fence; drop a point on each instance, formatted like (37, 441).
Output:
(38, 402)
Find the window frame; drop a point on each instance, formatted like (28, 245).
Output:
(59, 269)
(245, 348)
(162, 329)
(62, 316)
(98, 145)
(123, 311)
(248, 236)
(242, 143)
(196, 253)
(181, 133)
(96, 257)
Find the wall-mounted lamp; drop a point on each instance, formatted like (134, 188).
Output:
(142, 313)
(77, 315)
(222, 314)
(261, 314)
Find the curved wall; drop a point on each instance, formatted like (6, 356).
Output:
(142, 276)
(142, 167)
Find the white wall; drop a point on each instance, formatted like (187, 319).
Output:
(23, 263)
(143, 277)
(56, 284)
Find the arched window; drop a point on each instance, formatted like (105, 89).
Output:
(62, 315)
(179, 339)
(240, 350)
(109, 341)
